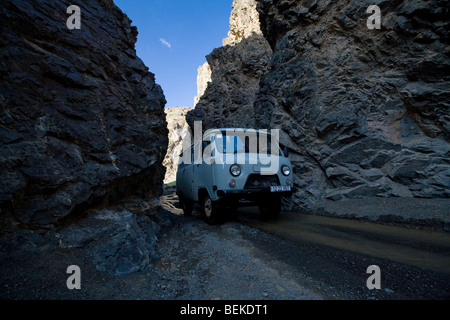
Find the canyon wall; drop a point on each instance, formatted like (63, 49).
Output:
(364, 111)
(82, 124)
(82, 118)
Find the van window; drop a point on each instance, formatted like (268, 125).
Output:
(229, 144)
(233, 144)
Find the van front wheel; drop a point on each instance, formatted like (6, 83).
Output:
(211, 211)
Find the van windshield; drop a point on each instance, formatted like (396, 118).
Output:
(236, 143)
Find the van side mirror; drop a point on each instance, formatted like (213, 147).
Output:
(286, 151)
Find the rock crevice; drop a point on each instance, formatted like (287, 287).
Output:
(178, 130)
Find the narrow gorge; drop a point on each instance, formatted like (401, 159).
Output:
(365, 112)
(87, 141)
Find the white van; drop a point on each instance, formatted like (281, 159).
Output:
(227, 168)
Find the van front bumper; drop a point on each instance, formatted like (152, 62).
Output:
(252, 193)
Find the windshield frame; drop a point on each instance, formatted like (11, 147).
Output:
(247, 146)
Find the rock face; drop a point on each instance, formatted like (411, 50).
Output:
(82, 123)
(244, 22)
(119, 239)
(203, 79)
(228, 82)
(365, 112)
(178, 129)
(81, 117)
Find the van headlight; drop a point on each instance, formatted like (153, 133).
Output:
(235, 170)
(286, 170)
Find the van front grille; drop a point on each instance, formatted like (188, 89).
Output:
(257, 181)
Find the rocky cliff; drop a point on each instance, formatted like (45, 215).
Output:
(228, 82)
(178, 129)
(364, 111)
(82, 123)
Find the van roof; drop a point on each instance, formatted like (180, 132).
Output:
(243, 129)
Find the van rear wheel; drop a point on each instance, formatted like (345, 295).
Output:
(211, 211)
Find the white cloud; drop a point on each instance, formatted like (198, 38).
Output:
(164, 42)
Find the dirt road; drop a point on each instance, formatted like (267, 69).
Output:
(330, 256)
(336, 252)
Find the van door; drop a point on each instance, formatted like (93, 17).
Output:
(185, 178)
(203, 174)
(189, 177)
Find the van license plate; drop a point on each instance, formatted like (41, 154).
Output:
(279, 188)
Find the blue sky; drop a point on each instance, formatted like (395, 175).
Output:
(174, 38)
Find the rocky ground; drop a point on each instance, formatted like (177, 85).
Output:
(195, 262)
(431, 214)
(200, 262)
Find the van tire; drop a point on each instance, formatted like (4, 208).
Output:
(187, 206)
(211, 211)
(270, 208)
